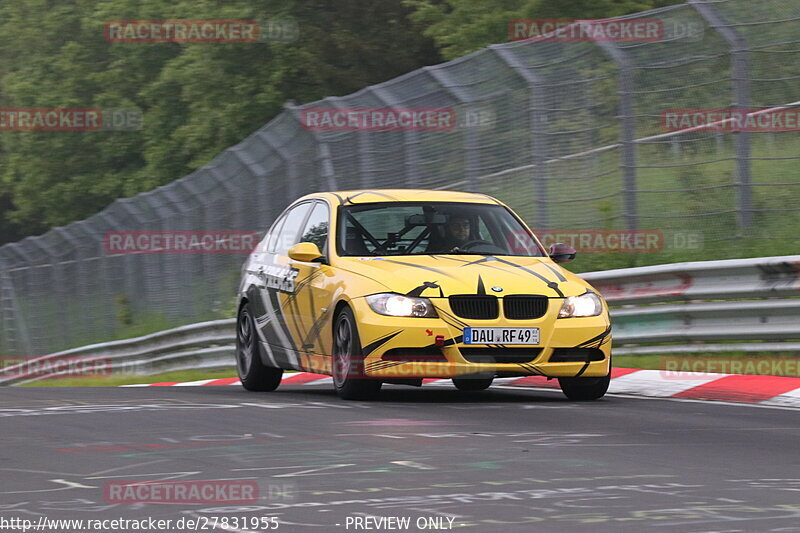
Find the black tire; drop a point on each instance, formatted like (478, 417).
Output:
(253, 373)
(584, 389)
(349, 378)
(472, 384)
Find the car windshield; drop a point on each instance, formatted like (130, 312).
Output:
(416, 228)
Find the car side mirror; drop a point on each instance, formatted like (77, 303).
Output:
(561, 253)
(306, 252)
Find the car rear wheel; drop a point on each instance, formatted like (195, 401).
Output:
(584, 389)
(472, 384)
(349, 378)
(254, 374)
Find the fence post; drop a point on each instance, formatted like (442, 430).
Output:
(323, 152)
(15, 334)
(627, 133)
(288, 162)
(326, 164)
(537, 124)
(471, 157)
(410, 139)
(741, 100)
(365, 164)
(13, 319)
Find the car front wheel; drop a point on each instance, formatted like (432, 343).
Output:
(472, 384)
(584, 389)
(349, 378)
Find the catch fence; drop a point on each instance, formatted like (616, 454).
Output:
(569, 134)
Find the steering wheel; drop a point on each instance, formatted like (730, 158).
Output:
(470, 244)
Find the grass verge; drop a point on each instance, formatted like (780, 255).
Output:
(132, 379)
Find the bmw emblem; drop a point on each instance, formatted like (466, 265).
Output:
(497, 289)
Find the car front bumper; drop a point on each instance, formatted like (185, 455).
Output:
(402, 347)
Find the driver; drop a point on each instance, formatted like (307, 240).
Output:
(457, 232)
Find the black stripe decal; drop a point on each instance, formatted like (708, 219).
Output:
(596, 342)
(451, 258)
(447, 342)
(431, 269)
(294, 316)
(481, 288)
(291, 300)
(531, 369)
(316, 327)
(551, 284)
(583, 368)
(458, 323)
(371, 347)
(417, 291)
(376, 193)
(556, 272)
(280, 329)
(483, 262)
(383, 365)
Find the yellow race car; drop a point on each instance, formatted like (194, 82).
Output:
(393, 286)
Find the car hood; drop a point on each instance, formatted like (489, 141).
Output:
(444, 275)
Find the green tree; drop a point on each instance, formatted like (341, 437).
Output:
(462, 26)
(196, 99)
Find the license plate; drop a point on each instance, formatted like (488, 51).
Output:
(501, 335)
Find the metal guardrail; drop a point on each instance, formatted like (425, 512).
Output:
(203, 345)
(750, 305)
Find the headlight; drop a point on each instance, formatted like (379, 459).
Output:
(587, 304)
(399, 305)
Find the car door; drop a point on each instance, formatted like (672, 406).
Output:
(274, 288)
(313, 291)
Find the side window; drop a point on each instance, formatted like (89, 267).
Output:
(316, 229)
(291, 227)
(272, 242)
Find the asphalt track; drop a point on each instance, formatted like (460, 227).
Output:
(501, 460)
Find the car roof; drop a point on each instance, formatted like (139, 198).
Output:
(368, 196)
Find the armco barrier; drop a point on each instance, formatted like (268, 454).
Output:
(703, 306)
(203, 345)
